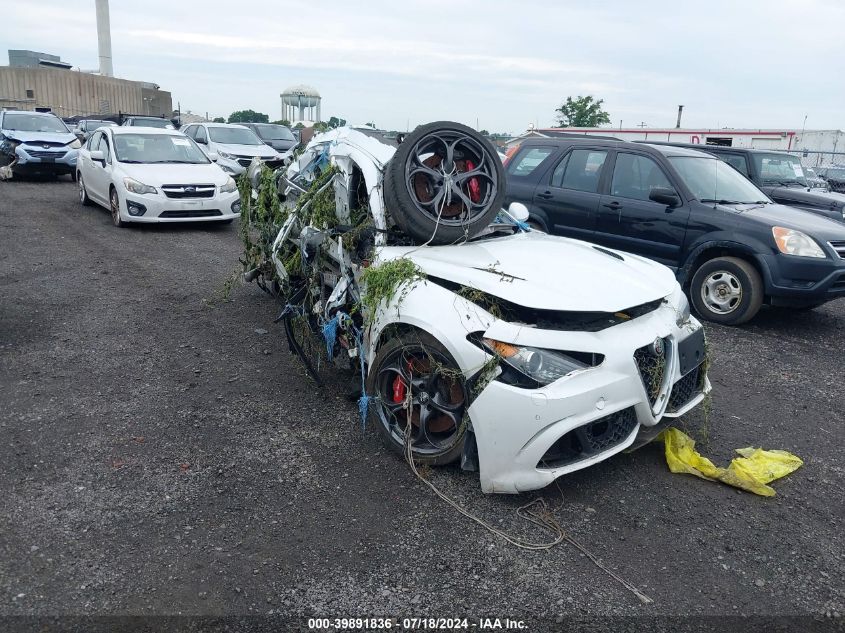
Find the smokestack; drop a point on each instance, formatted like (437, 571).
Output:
(104, 37)
(680, 112)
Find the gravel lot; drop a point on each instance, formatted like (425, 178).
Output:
(161, 452)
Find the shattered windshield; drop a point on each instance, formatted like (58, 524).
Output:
(711, 180)
(780, 169)
(233, 136)
(33, 123)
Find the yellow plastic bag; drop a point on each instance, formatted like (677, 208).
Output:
(752, 471)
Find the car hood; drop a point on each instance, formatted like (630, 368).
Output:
(781, 215)
(175, 174)
(40, 137)
(544, 272)
(803, 195)
(262, 151)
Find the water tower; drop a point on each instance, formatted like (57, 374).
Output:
(301, 103)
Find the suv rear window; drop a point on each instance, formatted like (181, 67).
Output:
(528, 159)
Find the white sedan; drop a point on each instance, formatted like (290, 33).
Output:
(154, 175)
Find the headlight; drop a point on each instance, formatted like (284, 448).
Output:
(133, 186)
(792, 242)
(76, 144)
(230, 186)
(543, 366)
(223, 154)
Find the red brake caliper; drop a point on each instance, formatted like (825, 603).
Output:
(399, 390)
(474, 185)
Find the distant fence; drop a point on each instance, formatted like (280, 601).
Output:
(817, 159)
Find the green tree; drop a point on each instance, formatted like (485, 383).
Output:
(219, 119)
(284, 122)
(335, 122)
(581, 112)
(248, 116)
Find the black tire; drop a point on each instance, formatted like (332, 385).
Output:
(727, 290)
(438, 398)
(428, 191)
(84, 200)
(114, 208)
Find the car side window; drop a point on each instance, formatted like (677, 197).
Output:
(188, 130)
(736, 161)
(200, 134)
(527, 160)
(634, 177)
(557, 174)
(104, 148)
(93, 141)
(583, 170)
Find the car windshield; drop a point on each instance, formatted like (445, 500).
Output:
(711, 180)
(810, 172)
(157, 148)
(780, 169)
(92, 125)
(33, 123)
(269, 132)
(835, 173)
(233, 136)
(151, 122)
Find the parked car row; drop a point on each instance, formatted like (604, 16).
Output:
(731, 246)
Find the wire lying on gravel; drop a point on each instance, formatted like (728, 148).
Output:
(537, 512)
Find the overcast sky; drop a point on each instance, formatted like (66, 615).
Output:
(504, 64)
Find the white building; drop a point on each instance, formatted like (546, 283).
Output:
(816, 147)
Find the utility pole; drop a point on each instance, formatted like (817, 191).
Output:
(643, 124)
(680, 112)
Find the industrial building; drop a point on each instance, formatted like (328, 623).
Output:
(71, 93)
(815, 147)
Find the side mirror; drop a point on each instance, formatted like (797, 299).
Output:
(518, 211)
(662, 195)
(213, 157)
(98, 156)
(201, 141)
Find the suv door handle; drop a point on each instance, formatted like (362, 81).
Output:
(613, 205)
(546, 195)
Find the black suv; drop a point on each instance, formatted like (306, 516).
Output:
(731, 247)
(780, 176)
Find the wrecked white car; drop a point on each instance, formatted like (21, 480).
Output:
(472, 337)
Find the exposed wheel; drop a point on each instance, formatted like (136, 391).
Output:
(416, 382)
(84, 200)
(445, 183)
(114, 207)
(727, 290)
(307, 342)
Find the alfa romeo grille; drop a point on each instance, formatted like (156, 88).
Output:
(652, 365)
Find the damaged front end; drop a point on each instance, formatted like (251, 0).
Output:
(520, 354)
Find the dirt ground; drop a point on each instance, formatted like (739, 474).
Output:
(162, 453)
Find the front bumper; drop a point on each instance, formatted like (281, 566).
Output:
(45, 160)
(159, 208)
(527, 438)
(793, 280)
